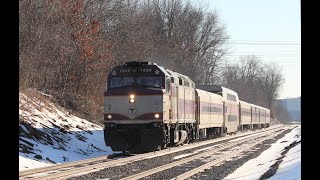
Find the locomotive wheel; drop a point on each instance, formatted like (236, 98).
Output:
(224, 132)
(165, 139)
(163, 145)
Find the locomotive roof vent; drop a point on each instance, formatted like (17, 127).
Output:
(138, 63)
(211, 88)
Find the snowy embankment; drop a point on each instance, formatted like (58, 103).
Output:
(281, 161)
(51, 135)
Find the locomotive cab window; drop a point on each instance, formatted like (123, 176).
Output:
(121, 81)
(149, 81)
(145, 81)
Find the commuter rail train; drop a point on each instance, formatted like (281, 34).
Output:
(147, 107)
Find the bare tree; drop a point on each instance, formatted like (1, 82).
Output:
(231, 79)
(281, 113)
(64, 51)
(243, 78)
(253, 81)
(66, 47)
(270, 82)
(174, 34)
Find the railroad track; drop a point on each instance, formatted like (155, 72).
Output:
(67, 170)
(214, 151)
(221, 158)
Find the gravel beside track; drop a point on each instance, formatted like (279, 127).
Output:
(119, 172)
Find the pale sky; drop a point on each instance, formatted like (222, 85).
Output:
(269, 29)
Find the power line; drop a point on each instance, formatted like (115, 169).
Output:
(249, 42)
(266, 54)
(252, 43)
(265, 41)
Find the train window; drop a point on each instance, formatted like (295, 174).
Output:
(168, 85)
(204, 108)
(150, 81)
(231, 97)
(127, 81)
(246, 113)
(232, 118)
(172, 80)
(180, 81)
(243, 112)
(121, 81)
(216, 109)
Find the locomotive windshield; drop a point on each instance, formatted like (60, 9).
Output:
(137, 80)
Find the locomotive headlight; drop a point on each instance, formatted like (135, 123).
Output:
(109, 116)
(131, 98)
(156, 116)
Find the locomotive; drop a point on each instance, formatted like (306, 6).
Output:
(147, 107)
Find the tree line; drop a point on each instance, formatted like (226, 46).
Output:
(67, 47)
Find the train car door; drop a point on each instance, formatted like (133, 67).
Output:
(197, 107)
(251, 117)
(259, 119)
(224, 117)
(197, 113)
(240, 117)
(177, 103)
(173, 102)
(168, 101)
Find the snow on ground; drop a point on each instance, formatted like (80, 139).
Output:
(26, 163)
(50, 135)
(289, 168)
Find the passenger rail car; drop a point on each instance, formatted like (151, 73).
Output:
(147, 107)
(209, 114)
(230, 106)
(245, 116)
